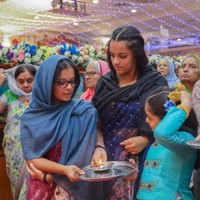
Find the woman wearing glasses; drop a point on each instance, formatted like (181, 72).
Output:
(94, 70)
(56, 141)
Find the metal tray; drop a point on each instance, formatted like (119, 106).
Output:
(118, 169)
(194, 144)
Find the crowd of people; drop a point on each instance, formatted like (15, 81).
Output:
(129, 111)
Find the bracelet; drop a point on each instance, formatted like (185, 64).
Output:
(181, 106)
(45, 178)
(99, 146)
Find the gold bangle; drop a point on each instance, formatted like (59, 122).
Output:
(181, 106)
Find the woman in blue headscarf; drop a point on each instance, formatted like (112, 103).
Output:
(62, 132)
(167, 69)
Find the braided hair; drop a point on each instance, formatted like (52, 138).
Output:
(134, 42)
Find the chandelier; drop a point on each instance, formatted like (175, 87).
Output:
(69, 5)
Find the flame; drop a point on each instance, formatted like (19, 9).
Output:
(100, 162)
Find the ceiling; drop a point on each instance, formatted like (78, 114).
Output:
(161, 22)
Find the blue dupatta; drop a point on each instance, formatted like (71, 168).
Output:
(171, 78)
(44, 124)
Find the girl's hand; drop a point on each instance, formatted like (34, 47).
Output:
(135, 145)
(70, 170)
(36, 173)
(132, 176)
(33, 171)
(99, 153)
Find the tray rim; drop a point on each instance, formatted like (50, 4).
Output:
(193, 145)
(117, 163)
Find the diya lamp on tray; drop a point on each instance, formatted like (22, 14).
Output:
(103, 166)
(106, 171)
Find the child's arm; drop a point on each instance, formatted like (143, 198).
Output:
(167, 134)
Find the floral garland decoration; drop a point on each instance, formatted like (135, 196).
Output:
(174, 96)
(31, 54)
(5, 54)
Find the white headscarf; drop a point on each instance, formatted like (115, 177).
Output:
(12, 82)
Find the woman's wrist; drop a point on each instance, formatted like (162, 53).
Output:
(100, 146)
(47, 178)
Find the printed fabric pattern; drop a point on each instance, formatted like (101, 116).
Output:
(11, 142)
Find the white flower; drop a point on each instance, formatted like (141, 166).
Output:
(39, 52)
(5, 50)
(80, 60)
(81, 48)
(91, 59)
(54, 51)
(92, 55)
(16, 52)
(86, 57)
(27, 60)
(74, 57)
(43, 47)
(99, 54)
(67, 46)
(27, 55)
(51, 52)
(82, 53)
(92, 49)
(35, 58)
(68, 54)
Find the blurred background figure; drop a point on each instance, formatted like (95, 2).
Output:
(14, 102)
(189, 72)
(3, 81)
(94, 70)
(167, 70)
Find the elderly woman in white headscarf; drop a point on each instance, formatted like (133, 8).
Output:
(167, 69)
(14, 102)
(94, 70)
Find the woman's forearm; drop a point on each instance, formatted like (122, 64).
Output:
(100, 140)
(47, 166)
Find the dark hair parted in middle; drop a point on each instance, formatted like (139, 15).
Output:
(66, 64)
(134, 42)
(156, 101)
(25, 67)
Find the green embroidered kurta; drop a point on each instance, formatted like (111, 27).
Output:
(11, 142)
